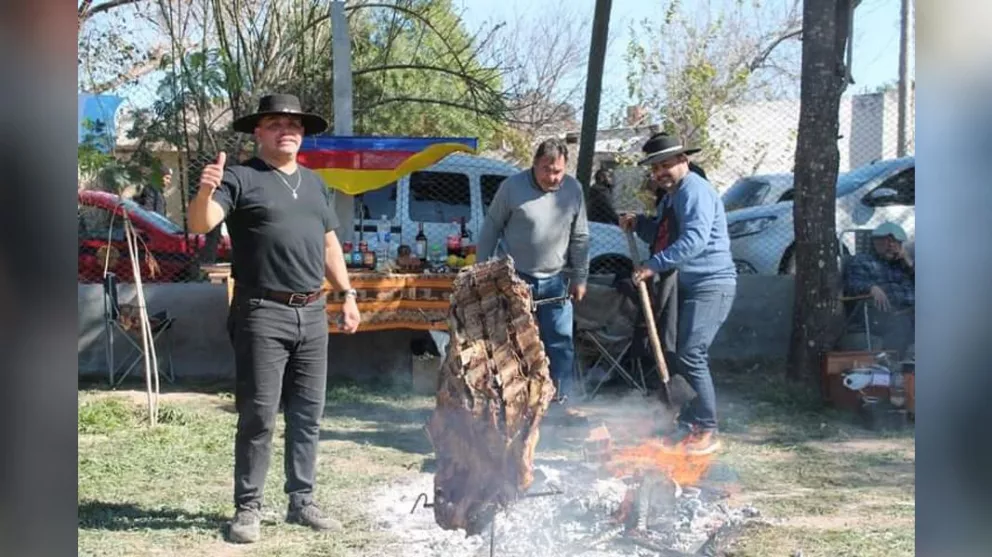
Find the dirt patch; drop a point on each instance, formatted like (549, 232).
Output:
(192, 400)
(838, 522)
(903, 447)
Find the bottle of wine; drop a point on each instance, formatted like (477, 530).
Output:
(465, 239)
(420, 244)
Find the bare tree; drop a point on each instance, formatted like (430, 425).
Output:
(544, 59)
(704, 59)
(825, 75)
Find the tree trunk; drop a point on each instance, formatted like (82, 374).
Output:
(824, 77)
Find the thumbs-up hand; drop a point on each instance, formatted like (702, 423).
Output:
(212, 174)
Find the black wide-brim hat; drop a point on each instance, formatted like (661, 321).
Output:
(661, 146)
(281, 105)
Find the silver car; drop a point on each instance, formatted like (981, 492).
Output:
(757, 190)
(762, 238)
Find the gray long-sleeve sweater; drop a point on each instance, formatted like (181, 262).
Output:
(542, 231)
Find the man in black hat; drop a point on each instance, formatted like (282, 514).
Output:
(693, 240)
(281, 223)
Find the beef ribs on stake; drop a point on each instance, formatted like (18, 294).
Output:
(493, 390)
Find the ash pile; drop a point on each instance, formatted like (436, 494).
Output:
(489, 496)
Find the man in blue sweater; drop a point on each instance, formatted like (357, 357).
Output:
(694, 241)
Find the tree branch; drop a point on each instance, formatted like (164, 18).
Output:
(390, 67)
(763, 55)
(154, 59)
(87, 9)
(495, 113)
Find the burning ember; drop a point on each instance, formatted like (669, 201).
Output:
(627, 498)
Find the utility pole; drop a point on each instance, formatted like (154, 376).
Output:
(344, 205)
(905, 27)
(594, 88)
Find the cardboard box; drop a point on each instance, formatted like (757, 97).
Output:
(832, 370)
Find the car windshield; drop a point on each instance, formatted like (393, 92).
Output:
(157, 219)
(746, 192)
(850, 181)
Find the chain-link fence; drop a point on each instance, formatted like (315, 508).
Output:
(173, 122)
(748, 155)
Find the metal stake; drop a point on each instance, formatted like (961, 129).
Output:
(492, 536)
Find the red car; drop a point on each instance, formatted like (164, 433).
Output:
(101, 230)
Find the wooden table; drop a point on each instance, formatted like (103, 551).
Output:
(386, 300)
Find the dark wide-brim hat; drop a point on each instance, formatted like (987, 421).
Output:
(281, 105)
(661, 146)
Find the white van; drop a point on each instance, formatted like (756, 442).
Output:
(462, 186)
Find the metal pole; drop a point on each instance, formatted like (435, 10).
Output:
(341, 57)
(344, 205)
(902, 143)
(594, 87)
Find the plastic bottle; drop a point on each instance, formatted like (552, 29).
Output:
(383, 241)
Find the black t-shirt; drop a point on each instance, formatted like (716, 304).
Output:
(277, 242)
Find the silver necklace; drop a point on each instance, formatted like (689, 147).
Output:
(299, 178)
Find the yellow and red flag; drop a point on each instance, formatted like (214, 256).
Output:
(355, 165)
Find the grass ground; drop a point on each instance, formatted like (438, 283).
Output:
(826, 486)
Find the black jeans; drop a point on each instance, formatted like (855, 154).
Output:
(280, 355)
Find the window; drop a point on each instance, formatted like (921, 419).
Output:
(439, 197)
(897, 190)
(376, 203)
(490, 183)
(747, 192)
(95, 222)
(157, 219)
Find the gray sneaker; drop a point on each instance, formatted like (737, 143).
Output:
(311, 515)
(246, 526)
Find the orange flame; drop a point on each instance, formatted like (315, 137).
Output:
(653, 456)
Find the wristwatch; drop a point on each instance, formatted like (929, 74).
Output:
(351, 293)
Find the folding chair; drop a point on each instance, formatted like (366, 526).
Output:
(852, 304)
(610, 351)
(125, 319)
(607, 342)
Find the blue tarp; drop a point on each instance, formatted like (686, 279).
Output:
(98, 109)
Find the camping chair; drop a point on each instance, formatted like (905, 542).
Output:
(856, 307)
(125, 319)
(606, 342)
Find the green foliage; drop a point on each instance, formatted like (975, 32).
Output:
(441, 88)
(697, 70)
(416, 70)
(106, 416)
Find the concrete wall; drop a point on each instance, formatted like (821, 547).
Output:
(760, 321)
(758, 327)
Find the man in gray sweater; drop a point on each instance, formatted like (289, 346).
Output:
(539, 216)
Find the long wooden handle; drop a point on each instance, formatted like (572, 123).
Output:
(659, 357)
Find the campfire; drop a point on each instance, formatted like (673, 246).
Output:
(629, 495)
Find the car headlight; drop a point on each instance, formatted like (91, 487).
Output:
(748, 227)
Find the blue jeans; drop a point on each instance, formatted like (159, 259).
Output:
(554, 323)
(702, 312)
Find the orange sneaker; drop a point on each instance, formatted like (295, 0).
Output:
(702, 443)
(678, 438)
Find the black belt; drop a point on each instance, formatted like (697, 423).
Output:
(292, 299)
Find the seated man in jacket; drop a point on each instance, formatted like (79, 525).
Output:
(888, 276)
